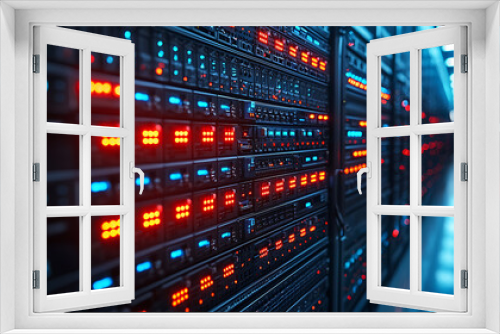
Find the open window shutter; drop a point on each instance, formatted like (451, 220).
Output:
(78, 217)
(416, 296)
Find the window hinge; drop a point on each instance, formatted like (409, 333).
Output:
(36, 279)
(465, 64)
(36, 172)
(465, 279)
(464, 171)
(36, 63)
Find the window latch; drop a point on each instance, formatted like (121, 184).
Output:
(36, 279)
(368, 171)
(464, 169)
(36, 172)
(465, 279)
(139, 171)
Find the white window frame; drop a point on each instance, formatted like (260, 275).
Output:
(85, 43)
(483, 294)
(415, 297)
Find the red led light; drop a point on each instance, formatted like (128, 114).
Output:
(358, 154)
(388, 97)
(92, 58)
(279, 45)
(292, 183)
(292, 51)
(303, 180)
(180, 297)
(207, 135)
(228, 270)
(183, 210)
(263, 37)
(353, 169)
(208, 203)
(278, 244)
(322, 176)
(181, 137)
(159, 71)
(110, 229)
(314, 62)
(395, 233)
(362, 123)
(206, 282)
(229, 135)
(279, 186)
(322, 65)
(314, 177)
(152, 217)
(406, 152)
(304, 56)
(151, 136)
(103, 88)
(264, 189)
(229, 197)
(263, 252)
(110, 141)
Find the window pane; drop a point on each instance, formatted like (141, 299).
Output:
(396, 66)
(395, 251)
(63, 255)
(437, 84)
(437, 170)
(105, 89)
(395, 166)
(438, 254)
(63, 73)
(63, 170)
(105, 257)
(105, 174)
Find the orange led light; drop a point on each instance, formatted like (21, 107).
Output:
(103, 88)
(279, 186)
(263, 37)
(206, 282)
(303, 232)
(183, 210)
(303, 180)
(362, 123)
(229, 135)
(314, 62)
(314, 177)
(278, 244)
(110, 229)
(229, 198)
(110, 141)
(180, 297)
(207, 135)
(312, 116)
(208, 203)
(292, 51)
(359, 153)
(228, 270)
(263, 252)
(322, 176)
(152, 218)
(304, 56)
(322, 65)
(279, 45)
(291, 238)
(181, 137)
(264, 189)
(151, 136)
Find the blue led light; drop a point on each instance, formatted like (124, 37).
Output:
(202, 172)
(359, 252)
(103, 283)
(292, 133)
(176, 72)
(99, 186)
(270, 133)
(159, 43)
(176, 253)
(202, 104)
(161, 53)
(175, 48)
(297, 28)
(225, 235)
(347, 265)
(143, 266)
(203, 243)
(147, 181)
(308, 159)
(225, 107)
(127, 34)
(355, 134)
(176, 58)
(189, 52)
(175, 176)
(308, 204)
(202, 56)
(174, 100)
(316, 42)
(315, 158)
(309, 133)
(285, 133)
(278, 133)
(109, 60)
(141, 96)
(224, 169)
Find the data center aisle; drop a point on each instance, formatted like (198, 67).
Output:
(437, 249)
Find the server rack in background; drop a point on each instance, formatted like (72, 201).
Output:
(232, 132)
